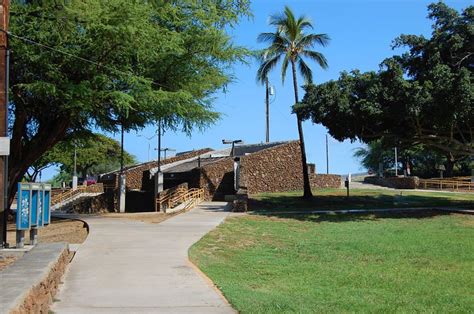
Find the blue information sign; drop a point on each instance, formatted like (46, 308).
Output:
(23, 216)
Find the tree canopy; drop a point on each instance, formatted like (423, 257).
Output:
(88, 64)
(423, 96)
(95, 154)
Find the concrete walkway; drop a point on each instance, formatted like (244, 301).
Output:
(127, 266)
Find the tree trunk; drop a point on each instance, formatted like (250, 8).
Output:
(450, 161)
(23, 154)
(306, 184)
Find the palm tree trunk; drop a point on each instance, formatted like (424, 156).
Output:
(306, 185)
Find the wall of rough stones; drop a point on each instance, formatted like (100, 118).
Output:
(324, 181)
(278, 169)
(395, 182)
(216, 178)
(40, 297)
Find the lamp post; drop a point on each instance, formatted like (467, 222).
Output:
(233, 142)
(396, 162)
(149, 143)
(159, 174)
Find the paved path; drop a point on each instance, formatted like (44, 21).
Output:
(127, 266)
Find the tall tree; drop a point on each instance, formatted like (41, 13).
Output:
(423, 96)
(291, 43)
(79, 65)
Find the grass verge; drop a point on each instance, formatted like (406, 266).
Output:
(405, 262)
(335, 199)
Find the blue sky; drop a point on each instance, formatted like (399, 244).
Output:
(361, 33)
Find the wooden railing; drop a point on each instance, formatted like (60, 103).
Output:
(191, 197)
(94, 188)
(441, 184)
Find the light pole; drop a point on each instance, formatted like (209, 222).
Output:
(159, 174)
(396, 162)
(233, 142)
(74, 175)
(149, 143)
(327, 155)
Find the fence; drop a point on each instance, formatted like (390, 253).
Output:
(441, 184)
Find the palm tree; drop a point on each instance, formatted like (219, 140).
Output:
(292, 44)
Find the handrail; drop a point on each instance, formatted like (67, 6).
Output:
(193, 196)
(94, 188)
(441, 184)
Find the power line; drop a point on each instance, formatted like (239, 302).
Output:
(33, 42)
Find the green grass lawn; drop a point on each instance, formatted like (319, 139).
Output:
(412, 262)
(334, 199)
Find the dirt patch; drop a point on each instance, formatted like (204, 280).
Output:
(5, 261)
(60, 230)
(152, 218)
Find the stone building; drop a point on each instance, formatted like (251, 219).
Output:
(266, 167)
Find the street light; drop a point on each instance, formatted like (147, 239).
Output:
(149, 145)
(233, 142)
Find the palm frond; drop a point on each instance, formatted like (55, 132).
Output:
(267, 37)
(284, 67)
(304, 22)
(310, 40)
(266, 67)
(305, 71)
(317, 57)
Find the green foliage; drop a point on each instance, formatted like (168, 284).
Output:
(95, 154)
(115, 63)
(380, 263)
(291, 43)
(423, 96)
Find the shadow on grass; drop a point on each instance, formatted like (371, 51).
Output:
(346, 217)
(275, 203)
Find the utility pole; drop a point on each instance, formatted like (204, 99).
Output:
(159, 145)
(327, 155)
(396, 162)
(159, 174)
(4, 73)
(122, 180)
(267, 109)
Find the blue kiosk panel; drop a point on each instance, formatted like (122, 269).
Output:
(36, 211)
(47, 205)
(23, 215)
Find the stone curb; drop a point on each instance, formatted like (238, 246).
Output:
(29, 285)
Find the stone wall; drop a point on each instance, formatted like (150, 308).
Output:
(278, 169)
(395, 182)
(272, 170)
(324, 181)
(216, 178)
(45, 265)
